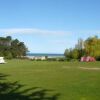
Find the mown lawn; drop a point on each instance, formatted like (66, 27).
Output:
(43, 80)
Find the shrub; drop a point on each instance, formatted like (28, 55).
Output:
(52, 59)
(8, 56)
(61, 59)
(74, 60)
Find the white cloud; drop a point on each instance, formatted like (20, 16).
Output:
(30, 31)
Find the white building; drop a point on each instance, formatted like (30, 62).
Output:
(37, 58)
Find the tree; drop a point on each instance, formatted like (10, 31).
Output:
(12, 48)
(92, 46)
(89, 47)
(80, 47)
(22, 48)
(9, 38)
(18, 48)
(68, 53)
(75, 54)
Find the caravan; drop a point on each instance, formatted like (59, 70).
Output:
(2, 61)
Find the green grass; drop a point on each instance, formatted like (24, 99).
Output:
(66, 79)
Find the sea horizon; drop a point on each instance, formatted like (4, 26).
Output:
(46, 54)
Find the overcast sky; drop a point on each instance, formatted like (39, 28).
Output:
(49, 26)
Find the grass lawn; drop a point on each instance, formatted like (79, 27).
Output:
(42, 80)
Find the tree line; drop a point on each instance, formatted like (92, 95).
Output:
(89, 47)
(12, 48)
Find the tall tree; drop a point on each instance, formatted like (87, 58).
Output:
(89, 47)
(12, 48)
(92, 46)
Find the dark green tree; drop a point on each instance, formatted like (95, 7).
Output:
(10, 48)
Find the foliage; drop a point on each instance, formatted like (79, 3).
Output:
(75, 54)
(68, 53)
(52, 59)
(92, 46)
(8, 55)
(89, 47)
(10, 48)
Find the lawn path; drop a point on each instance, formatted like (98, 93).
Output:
(83, 68)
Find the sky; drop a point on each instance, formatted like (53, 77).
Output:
(49, 26)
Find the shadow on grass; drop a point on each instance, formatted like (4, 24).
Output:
(14, 91)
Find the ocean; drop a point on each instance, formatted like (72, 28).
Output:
(44, 54)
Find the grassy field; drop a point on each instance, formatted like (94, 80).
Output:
(42, 80)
